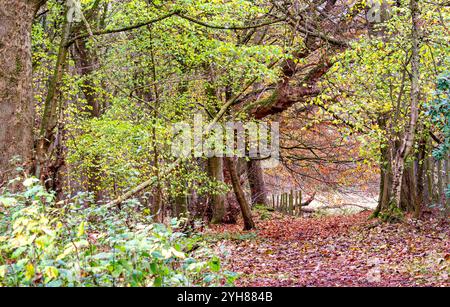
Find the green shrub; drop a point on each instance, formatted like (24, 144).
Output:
(78, 243)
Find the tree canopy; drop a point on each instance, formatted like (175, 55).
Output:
(281, 107)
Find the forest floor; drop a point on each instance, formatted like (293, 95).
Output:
(343, 250)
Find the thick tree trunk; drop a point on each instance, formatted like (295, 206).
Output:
(16, 98)
(385, 172)
(240, 196)
(385, 183)
(408, 139)
(408, 201)
(215, 166)
(256, 181)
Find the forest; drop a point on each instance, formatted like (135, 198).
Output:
(243, 143)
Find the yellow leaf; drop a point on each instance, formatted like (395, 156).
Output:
(80, 229)
(51, 272)
(177, 253)
(2, 271)
(29, 271)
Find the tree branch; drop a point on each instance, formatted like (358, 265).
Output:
(177, 13)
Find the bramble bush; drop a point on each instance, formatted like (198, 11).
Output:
(79, 243)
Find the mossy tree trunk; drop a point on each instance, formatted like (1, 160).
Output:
(50, 116)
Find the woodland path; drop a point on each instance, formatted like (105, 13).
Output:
(337, 251)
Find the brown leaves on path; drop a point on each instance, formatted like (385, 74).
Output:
(337, 251)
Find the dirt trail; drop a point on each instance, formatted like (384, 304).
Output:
(337, 251)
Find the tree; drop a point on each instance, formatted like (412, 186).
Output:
(16, 93)
(408, 138)
(255, 176)
(240, 196)
(374, 90)
(215, 167)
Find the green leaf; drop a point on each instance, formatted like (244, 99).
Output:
(214, 264)
(157, 282)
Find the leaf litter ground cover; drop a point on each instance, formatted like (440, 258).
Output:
(346, 250)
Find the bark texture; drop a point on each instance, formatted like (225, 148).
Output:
(86, 62)
(256, 181)
(16, 98)
(50, 116)
(408, 138)
(240, 196)
(215, 166)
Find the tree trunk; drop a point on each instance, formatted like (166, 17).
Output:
(408, 201)
(408, 138)
(16, 93)
(429, 170)
(180, 206)
(86, 62)
(440, 183)
(385, 188)
(215, 166)
(48, 166)
(50, 116)
(157, 208)
(385, 173)
(256, 181)
(420, 183)
(158, 205)
(240, 196)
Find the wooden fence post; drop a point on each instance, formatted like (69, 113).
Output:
(286, 202)
(291, 202)
(300, 203)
